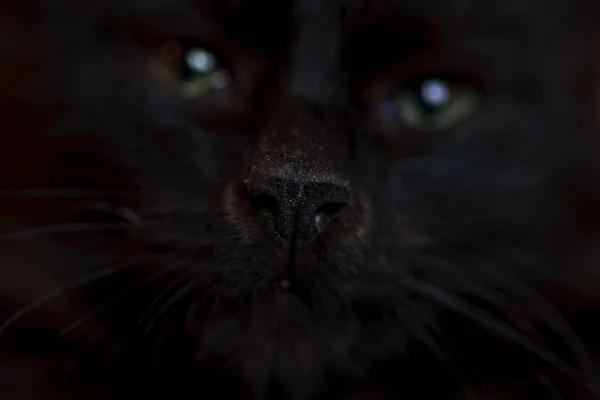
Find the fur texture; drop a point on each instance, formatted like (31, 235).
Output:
(137, 260)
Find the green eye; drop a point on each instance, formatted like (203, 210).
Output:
(193, 71)
(433, 105)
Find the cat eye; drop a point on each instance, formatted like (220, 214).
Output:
(193, 70)
(431, 104)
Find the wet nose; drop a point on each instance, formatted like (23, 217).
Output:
(300, 205)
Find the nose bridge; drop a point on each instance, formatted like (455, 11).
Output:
(298, 170)
(314, 62)
(302, 141)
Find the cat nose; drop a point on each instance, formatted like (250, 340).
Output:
(300, 205)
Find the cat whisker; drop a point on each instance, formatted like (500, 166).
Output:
(557, 322)
(419, 331)
(516, 287)
(86, 279)
(130, 290)
(64, 193)
(479, 316)
(480, 289)
(172, 300)
(80, 321)
(124, 212)
(486, 288)
(176, 297)
(160, 297)
(419, 326)
(550, 386)
(64, 228)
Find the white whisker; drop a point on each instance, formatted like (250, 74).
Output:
(64, 228)
(57, 292)
(63, 193)
(124, 212)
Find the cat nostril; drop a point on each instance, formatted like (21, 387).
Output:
(326, 214)
(297, 206)
(262, 202)
(322, 221)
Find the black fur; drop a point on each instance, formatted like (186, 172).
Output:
(138, 260)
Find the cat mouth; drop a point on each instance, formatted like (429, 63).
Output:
(287, 288)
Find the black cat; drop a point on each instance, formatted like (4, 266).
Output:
(336, 199)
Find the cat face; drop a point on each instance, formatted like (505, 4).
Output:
(287, 190)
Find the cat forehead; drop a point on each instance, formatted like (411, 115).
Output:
(346, 14)
(317, 30)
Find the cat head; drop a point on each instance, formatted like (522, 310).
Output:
(323, 176)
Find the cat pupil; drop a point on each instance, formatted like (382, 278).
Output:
(201, 61)
(200, 72)
(434, 93)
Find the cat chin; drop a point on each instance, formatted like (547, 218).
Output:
(275, 340)
(277, 335)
